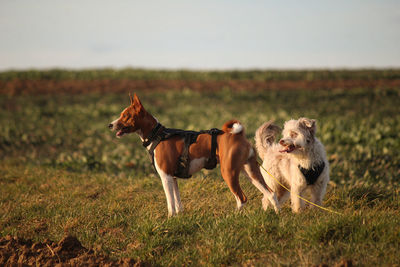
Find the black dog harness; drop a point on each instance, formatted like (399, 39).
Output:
(312, 174)
(160, 133)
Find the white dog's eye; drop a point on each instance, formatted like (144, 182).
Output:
(293, 134)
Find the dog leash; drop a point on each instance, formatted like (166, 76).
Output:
(306, 200)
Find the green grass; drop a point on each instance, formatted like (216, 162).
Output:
(187, 75)
(62, 170)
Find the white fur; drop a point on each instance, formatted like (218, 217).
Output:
(284, 166)
(177, 197)
(236, 128)
(196, 165)
(239, 202)
(114, 124)
(171, 190)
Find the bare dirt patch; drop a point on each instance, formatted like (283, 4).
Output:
(68, 251)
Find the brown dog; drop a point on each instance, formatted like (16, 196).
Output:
(178, 153)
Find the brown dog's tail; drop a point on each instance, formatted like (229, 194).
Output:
(233, 127)
(265, 136)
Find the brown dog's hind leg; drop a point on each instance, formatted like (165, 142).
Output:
(253, 172)
(231, 178)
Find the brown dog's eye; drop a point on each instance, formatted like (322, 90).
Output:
(293, 134)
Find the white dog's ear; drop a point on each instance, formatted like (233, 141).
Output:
(309, 124)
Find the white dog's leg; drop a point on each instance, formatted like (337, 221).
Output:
(168, 185)
(316, 198)
(318, 192)
(178, 204)
(297, 203)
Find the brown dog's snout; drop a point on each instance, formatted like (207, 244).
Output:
(110, 126)
(282, 142)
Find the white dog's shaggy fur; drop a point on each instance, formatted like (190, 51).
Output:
(298, 155)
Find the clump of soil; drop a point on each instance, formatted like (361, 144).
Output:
(67, 252)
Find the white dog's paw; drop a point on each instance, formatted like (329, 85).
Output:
(275, 203)
(265, 203)
(271, 200)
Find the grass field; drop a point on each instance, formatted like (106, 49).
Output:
(145, 74)
(62, 171)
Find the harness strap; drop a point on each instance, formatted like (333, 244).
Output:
(160, 133)
(211, 162)
(154, 139)
(182, 170)
(312, 174)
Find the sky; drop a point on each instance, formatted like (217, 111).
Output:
(207, 34)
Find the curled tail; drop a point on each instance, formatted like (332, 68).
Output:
(265, 136)
(233, 127)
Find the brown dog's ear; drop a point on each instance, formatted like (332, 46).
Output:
(136, 101)
(131, 98)
(137, 105)
(308, 124)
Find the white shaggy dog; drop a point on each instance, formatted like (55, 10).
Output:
(298, 161)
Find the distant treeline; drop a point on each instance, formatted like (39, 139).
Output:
(189, 75)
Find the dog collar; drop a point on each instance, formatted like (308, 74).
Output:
(313, 173)
(152, 135)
